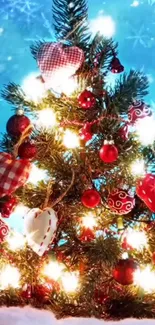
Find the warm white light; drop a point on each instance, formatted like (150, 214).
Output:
(145, 129)
(135, 3)
(36, 175)
(145, 279)
(136, 239)
(33, 88)
(89, 221)
(138, 167)
(71, 139)
(16, 241)
(46, 118)
(9, 277)
(70, 86)
(70, 281)
(105, 25)
(53, 270)
(125, 256)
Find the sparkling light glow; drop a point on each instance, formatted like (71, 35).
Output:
(70, 281)
(71, 139)
(104, 25)
(46, 118)
(16, 241)
(89, 221)
(135, 3)
(145, 279)
(136, 239)
(145, 129)
(125, 255)
(53, 270)
(33, 88)
(9, 276)
(138, 167)
(36, 175)
(70, 86)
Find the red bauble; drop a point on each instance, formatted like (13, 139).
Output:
(4, 230)
(85, 132)
(138, 110)
(116, 66)
(109, 152)
(87, 235)
(124, 132)
(87, 99)
(120, 201)
(91, 198)
(124, 271)
(6, 208)
(146, 191)
(27, 150)
(17, 124)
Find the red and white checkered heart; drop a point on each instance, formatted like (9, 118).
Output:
(57, 63)
(13, 173)
(40, 227)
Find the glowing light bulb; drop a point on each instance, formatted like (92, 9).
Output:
(136, 239)
(46, 118)
(33, 88)
(71, 139)
(89, 221)
(36, 175)
(145, 129)
(103, 25)
(70, 281)
(125, 256)
(16, 241)
(138, 167)
(53, 270)
(145, 279)
(9, 277)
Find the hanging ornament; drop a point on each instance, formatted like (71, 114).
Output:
(85, 132)
(121, 201)
(13, 173)
(138, 110)
(124, 132)
(27, 291)
(146, 190)
(40, 227)
(4, 230)
(58, 63)
(87, 100)
(91, 198)
(17, 123)
(124, 271)
(27, 150)
(109, 152)
(116, 66)
(87, 235)
(7, 207)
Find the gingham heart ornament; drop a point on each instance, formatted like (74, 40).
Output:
(40, 227)
(58, 63)
(13, 173)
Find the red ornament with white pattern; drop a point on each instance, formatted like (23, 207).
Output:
(4, 230)
(91, 198)
(85, 132)
(17, 123)
(138, 110)
(121, 201)
(7, 207)
(109, 152)
(145, 189)
(124, 132)
(87, 100)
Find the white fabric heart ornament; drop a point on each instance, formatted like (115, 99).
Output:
(40, 227)
(58, 63)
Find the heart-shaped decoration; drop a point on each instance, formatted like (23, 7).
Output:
(40, 226)
(58, 63)
(13, 173)
(146, 191)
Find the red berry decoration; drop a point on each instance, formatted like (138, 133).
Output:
(6, 208)
(124, 132)
(27, 150)
(121, 201)
(91, 198)
(85, 133)
(87, 235)
(124, 271)
(146, 191)
(109, 152)
(116, 66)
(138, 110)
(17, 124)
(87, 100)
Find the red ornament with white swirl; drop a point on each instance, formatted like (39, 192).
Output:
(121, 201)
(4, 230)
(138, 110)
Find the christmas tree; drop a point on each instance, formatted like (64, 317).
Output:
(88, 247)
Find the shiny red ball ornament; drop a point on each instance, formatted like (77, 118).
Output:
(87, 235)
(85, 132)
(109, 152)
(87, 100)
(138, 110)
(27, 150)
(116, 66)
(91, 198)
(145, 189)
(6, 208)
(121, 201)
(124, 271)
(17, 124)
(124, 132)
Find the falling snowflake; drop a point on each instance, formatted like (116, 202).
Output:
(141, 37)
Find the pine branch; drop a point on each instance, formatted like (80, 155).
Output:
(35, 47)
